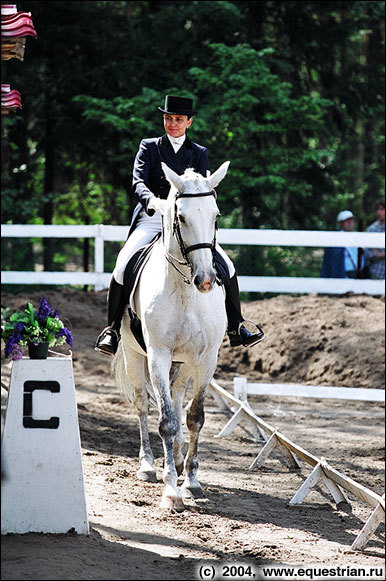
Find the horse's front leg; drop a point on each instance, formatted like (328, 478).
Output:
(159, 362)
(195, 416)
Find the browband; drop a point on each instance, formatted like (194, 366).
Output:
(198, 195)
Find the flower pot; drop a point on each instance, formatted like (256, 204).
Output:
(38, 351)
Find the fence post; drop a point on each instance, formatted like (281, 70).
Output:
(99, 260)
(240, 388)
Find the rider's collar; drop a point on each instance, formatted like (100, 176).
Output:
(176, 142)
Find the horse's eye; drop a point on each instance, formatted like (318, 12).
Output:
(181, 219)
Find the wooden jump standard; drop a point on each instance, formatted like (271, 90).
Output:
(336, 482)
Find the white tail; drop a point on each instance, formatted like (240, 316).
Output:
(126, 388)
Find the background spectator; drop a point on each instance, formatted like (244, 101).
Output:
(342, 262)
(375, 257)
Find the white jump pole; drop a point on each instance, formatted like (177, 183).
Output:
(42, 487)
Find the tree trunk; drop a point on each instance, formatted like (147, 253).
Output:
(49, 168)
(48, 192)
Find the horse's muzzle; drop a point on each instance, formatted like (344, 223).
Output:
(204, 283)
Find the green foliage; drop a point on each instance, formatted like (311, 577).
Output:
(292, 93)
(271, 137)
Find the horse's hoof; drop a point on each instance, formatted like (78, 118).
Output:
(174, 503)
(191, 492)
(147, 475)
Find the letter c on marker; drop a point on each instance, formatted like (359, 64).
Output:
(28, 420)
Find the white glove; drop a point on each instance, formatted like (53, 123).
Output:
(156, 204)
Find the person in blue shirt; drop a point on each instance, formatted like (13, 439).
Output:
(342, 262)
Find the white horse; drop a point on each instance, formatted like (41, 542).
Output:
(182, 311)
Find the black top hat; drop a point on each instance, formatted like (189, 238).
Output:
(178, 106)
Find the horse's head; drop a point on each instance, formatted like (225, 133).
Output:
(191, 213)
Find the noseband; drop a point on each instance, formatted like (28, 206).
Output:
(185, 250)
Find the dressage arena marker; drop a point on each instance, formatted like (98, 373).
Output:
(42, 487)
(336, 482)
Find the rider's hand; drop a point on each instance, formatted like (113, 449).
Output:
(156, 204)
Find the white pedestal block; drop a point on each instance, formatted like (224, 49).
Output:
(42, 489)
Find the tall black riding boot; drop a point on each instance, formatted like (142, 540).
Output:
(237, 333)
(107, 342)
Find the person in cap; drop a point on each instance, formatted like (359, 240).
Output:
(342, 262)
(149, 183)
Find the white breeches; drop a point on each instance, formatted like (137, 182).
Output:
(147, 227)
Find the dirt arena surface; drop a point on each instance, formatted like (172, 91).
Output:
(244, 518)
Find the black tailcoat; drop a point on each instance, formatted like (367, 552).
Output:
(148, 176)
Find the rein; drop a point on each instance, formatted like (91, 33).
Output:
(185, 250)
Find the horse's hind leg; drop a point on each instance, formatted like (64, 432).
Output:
(191, 488)
(146, 470)
(134, 384)
(180, 383)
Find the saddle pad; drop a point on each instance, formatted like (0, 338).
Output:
(130, 280)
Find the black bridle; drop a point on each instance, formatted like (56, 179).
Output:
(185, 250)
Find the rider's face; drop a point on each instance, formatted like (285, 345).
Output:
(176, 125)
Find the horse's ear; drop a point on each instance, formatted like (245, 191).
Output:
(218, 175)
(172, 176)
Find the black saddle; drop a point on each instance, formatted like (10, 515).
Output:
(130, 280)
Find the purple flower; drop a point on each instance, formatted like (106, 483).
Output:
(19, 327)
(17, 337)
(12, 348)
(9, 345)
(44, 310)
(17, 353)
(64, 332)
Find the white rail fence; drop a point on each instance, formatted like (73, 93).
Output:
(243, 388)
(102, 233)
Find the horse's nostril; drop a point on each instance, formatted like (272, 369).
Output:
(197, 280)
(203, 283)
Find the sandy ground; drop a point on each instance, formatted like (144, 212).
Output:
(244, 518)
